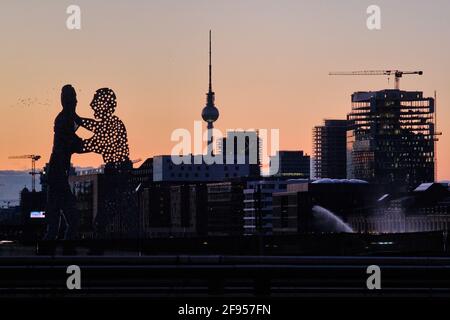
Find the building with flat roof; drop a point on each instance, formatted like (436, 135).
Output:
(425, 209)
(258, 203)
(225, 208)
(165, 170)
(238, 157)
(320, 206)
(292, 164)
(329, 150)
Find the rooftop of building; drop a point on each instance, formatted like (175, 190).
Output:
(339, 181)
(363, 96)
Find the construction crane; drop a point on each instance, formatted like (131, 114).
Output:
(396, 73)
(33, 172)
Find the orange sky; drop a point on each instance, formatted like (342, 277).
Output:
(271, 63)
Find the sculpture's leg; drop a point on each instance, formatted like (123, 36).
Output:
(71, 215)
(52, 214)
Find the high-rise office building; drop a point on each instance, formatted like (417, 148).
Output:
(329, 150)
(391, 138)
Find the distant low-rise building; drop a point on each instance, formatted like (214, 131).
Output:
(183, 210)
(291, 164)
(106, 202)
(144, 173)
(32, 207)
(89, 189)
(192, 209)
(154, 211)
(427, 208)
(225, 208)
(238, 157)
(258, 203)
(320, 206)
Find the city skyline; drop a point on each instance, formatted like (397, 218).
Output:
(270, 81)
(216, 157)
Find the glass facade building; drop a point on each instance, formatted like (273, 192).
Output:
(391, 138)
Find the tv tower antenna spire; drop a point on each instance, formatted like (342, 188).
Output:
(210, 113)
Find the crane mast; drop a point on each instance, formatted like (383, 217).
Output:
(33, 172)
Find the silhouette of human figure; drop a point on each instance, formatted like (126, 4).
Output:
(110, 135)
(110, 141)
(60, 200)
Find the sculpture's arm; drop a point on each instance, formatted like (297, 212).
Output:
(89, 124)
(77, 145)
(89, 145)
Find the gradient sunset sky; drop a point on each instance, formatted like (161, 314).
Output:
(270, 66)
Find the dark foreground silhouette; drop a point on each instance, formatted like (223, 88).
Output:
(60, 200)
(110, 141)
